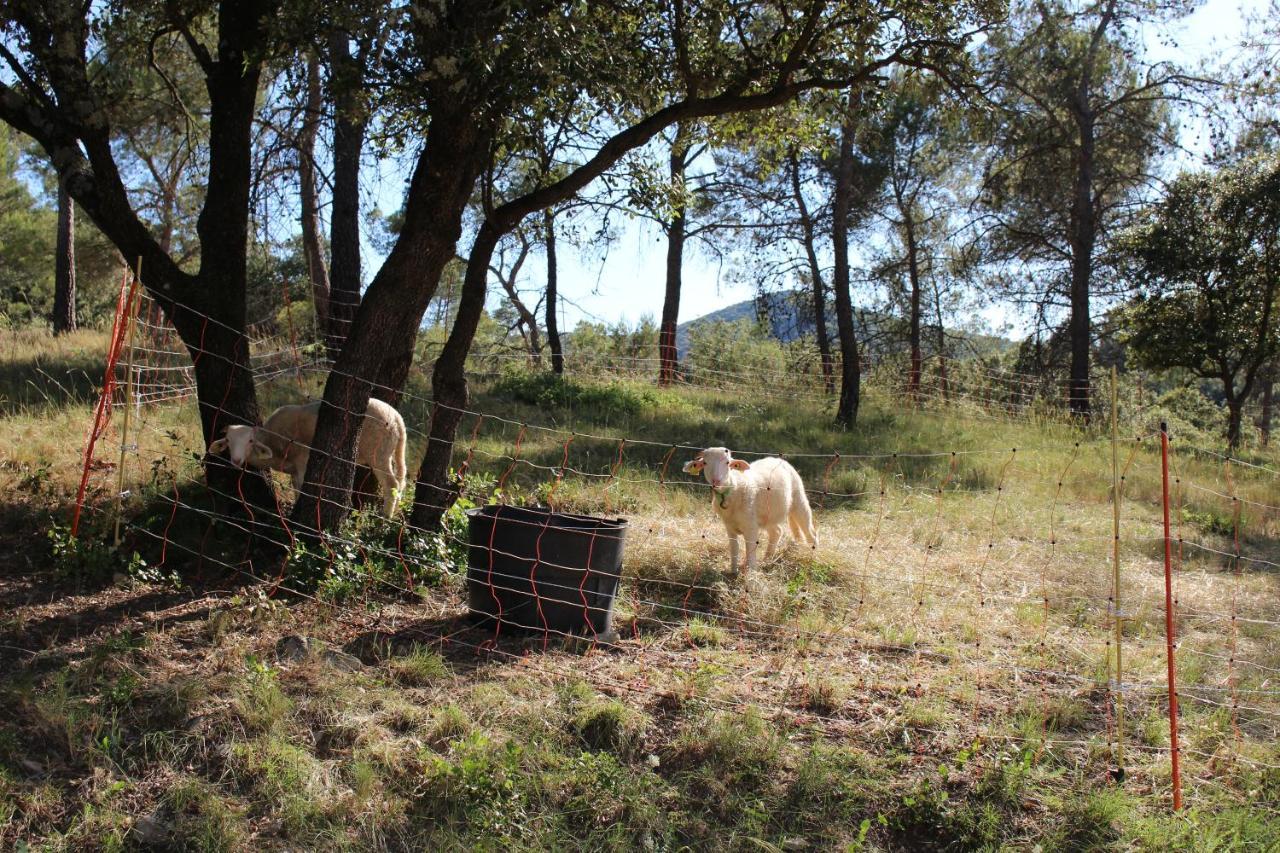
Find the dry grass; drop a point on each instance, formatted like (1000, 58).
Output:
(936, 669)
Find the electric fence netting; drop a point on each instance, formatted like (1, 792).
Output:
(1102, 596)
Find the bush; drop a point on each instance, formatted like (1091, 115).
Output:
(370, 553)
(547, 390)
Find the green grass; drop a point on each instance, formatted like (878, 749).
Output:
(904, 686)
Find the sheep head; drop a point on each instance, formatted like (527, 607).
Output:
(242, 447)
(715, 463)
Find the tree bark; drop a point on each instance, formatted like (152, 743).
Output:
(807, 229)
(942, 343)
(1235, 419)
(667, 352)
(349, 126)
(64, 267)
(434, 491)
(1264, 420)
(553, 296)
(317, 269)
(378, 352)
(913, 277)
(850, 369)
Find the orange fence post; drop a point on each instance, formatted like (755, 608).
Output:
(1168, 620)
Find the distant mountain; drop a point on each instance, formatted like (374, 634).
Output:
(789, 315)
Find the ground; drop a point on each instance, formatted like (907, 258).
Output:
(937, 674)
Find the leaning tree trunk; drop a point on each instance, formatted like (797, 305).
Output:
(435, 491)
(553, 296)
(379, 349)
(64, 267)
(850, 369)
(317, 269)
(667, 352)
(349, 127)
(815, 278)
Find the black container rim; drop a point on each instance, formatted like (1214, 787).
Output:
(556, 520)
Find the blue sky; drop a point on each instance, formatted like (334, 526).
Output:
(624, 281)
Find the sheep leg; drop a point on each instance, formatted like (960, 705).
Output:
(775, 533)
(733, 552)
(387, 485)
(750, 537)
(298, 472)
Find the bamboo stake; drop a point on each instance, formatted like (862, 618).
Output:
(1168, 622)
(130, 310)
(1118, 687)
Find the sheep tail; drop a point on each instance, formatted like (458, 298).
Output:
(801, 517)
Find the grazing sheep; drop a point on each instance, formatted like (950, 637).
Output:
(284, 443)
(748, 497)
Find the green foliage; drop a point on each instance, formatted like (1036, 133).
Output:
(89, 560)
(734, 348)
(549, 391)
(595, 343)
(371, 554)
(1208, 260)
(28, 233)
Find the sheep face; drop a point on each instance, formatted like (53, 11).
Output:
(243, 447)
(715, 463)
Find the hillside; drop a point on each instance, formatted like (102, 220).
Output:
(790, 318)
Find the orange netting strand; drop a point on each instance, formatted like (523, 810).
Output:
(102, 413)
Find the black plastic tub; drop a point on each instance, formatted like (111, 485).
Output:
(542, 571)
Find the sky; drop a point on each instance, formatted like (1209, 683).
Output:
(624, 281)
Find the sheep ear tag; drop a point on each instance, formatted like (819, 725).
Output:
(740, 465)
(693, 466)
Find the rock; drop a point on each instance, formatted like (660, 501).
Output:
(151, 830)
(294, 648)
(341, 660)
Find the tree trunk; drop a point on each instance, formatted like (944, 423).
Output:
(667, 352)
(1083, 237)
(553, 297)
(317, 269)
(815, 278)
(913, 276)
(1235, 418)
(850, 369)
(434, 491)
(64, 267)
(1264, 421)
(378, 351)
(527, 318)
(344, 223)
(941, 342)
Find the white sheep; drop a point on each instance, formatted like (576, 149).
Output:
(749, 497)
(284, 444)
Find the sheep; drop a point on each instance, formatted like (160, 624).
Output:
(284, 444)
(748, 497)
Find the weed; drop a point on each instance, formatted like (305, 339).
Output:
(261, 703)
(610, 726)
(421, 667)
(703, 633)
(203, 819)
